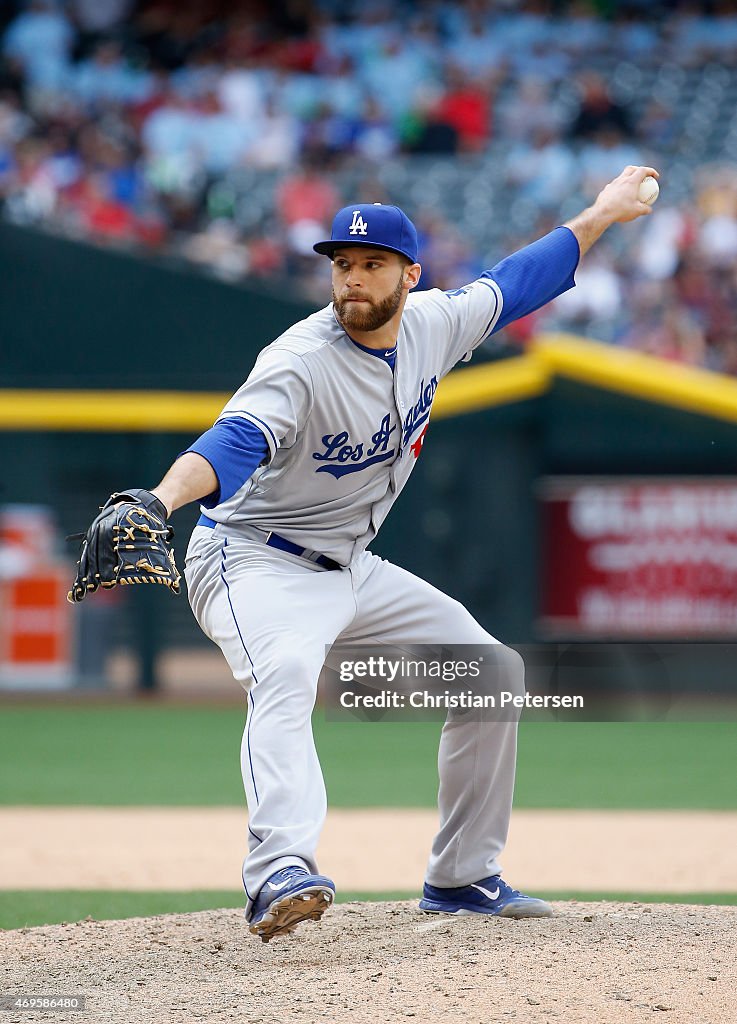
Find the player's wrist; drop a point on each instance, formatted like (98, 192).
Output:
(166, 500)
(589, 226)
(601, 215)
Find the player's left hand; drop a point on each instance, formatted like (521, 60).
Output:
(129, 542)
(618, 201)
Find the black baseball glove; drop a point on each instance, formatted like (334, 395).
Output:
(127, 543)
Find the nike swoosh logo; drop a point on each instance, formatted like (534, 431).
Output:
(276, 888)
(492, 895)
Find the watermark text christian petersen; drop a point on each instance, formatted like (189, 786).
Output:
(582, 681)
(453, 701)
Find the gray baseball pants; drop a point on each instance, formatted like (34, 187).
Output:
(274, 615)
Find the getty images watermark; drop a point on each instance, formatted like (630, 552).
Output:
(379, 670)
(576, 681)
(406, 682)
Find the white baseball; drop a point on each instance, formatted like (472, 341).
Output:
(649, 190)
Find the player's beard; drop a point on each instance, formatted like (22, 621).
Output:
(369, 315)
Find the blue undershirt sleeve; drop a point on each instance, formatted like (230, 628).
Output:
(536, 274)
(234, 447)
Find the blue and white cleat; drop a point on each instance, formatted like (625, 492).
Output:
(290, 896)
(490, 895)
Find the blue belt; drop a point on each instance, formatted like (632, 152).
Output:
(275, 541)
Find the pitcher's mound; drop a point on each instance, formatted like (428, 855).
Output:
(365, 963)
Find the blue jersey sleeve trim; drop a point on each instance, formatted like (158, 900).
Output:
(234, 447)
(535, 275)
(496, 305)
(265, 429)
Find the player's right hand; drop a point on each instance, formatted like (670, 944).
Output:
(618, 201)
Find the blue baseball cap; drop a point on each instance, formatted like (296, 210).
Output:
(374, 225)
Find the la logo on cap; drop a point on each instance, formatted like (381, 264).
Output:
(358, 225)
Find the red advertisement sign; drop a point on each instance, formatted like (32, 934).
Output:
(639, 558)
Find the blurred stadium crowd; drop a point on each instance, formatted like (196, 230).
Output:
(227, 132)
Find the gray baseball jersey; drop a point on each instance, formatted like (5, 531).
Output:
(344, 432)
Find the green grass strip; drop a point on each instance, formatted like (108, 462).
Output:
(702, 899)
(25, 909)
(173, 755)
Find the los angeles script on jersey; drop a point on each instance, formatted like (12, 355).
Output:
(420, 411)
(345, 457)
(341, 456)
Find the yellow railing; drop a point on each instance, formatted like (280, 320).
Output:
(639, 375)
(146, 411)
(463, 391)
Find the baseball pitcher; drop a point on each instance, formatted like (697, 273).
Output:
(294, 481)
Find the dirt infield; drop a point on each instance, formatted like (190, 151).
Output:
(372, 850)
(599, 963)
